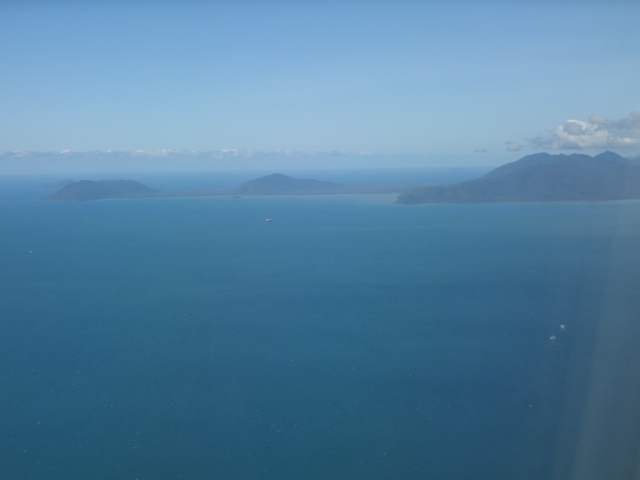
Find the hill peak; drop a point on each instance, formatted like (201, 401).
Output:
(608, 155)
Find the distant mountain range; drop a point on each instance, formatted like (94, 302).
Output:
(543, 178)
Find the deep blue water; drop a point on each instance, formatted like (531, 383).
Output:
(350, 338)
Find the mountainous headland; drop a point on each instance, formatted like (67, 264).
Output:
(542, 177)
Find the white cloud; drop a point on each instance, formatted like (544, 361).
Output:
(513, 147)
(480, 150)
(597, 132)
(158, 152)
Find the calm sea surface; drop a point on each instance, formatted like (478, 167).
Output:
(349, 338)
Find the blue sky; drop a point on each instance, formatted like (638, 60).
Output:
(477, 81)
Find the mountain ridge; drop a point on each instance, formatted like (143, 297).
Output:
(542, 177)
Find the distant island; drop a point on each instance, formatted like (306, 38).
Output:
(274, 184)
(542, 178)
(103, 189)
(278, 184)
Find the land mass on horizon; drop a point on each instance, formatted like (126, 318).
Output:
(542, 177)
(279, 184)
(539, 177)
(274, 184)
(83, 190)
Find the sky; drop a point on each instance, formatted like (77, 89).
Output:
(464, 82)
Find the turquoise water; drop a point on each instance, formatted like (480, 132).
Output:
(350, 338)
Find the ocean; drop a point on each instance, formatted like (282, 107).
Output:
(348, 339)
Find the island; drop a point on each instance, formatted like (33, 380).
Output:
(98, 190)
(279, 184)
(542, 177)
(274, 184)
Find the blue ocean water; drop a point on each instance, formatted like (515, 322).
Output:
(349, 338)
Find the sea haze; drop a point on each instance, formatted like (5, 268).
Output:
(349, 338)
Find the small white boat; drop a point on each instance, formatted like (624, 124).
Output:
(268, 220)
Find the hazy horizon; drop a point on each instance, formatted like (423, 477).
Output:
(24, 163)
(171, 161)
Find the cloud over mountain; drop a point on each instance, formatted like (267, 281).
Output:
(597, 132)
